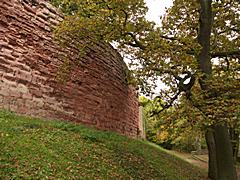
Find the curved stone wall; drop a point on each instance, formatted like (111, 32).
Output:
(95, 91)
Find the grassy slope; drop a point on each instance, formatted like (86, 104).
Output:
(53, 149)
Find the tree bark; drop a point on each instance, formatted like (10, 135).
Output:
(212, 161)
(225, 163)
(234, 137)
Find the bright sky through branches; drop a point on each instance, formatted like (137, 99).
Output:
(157, 8)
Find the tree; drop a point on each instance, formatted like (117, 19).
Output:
(178, 127)
(180, 54)
(217, 136)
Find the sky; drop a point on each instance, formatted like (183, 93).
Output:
(156, 9)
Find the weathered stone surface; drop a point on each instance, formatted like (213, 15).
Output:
(95, 92)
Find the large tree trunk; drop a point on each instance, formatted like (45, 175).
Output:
(224, 159)
(212, 158)
(225, 163)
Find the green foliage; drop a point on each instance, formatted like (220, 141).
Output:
(94, 21)
(38, 149)
(179, 127)
(218, 104)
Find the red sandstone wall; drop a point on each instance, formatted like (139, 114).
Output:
(95, 93)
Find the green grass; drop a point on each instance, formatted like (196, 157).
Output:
(32, 148)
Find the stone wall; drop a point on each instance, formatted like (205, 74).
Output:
(95, 91)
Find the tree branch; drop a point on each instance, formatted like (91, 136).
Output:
(181, 88)
(166, 106)
(169, 38)
(136, 43)
(234, 53)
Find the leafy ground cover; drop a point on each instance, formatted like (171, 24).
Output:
(32, 148)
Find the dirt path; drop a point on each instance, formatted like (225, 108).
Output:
(200, 161)
(197, 160)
